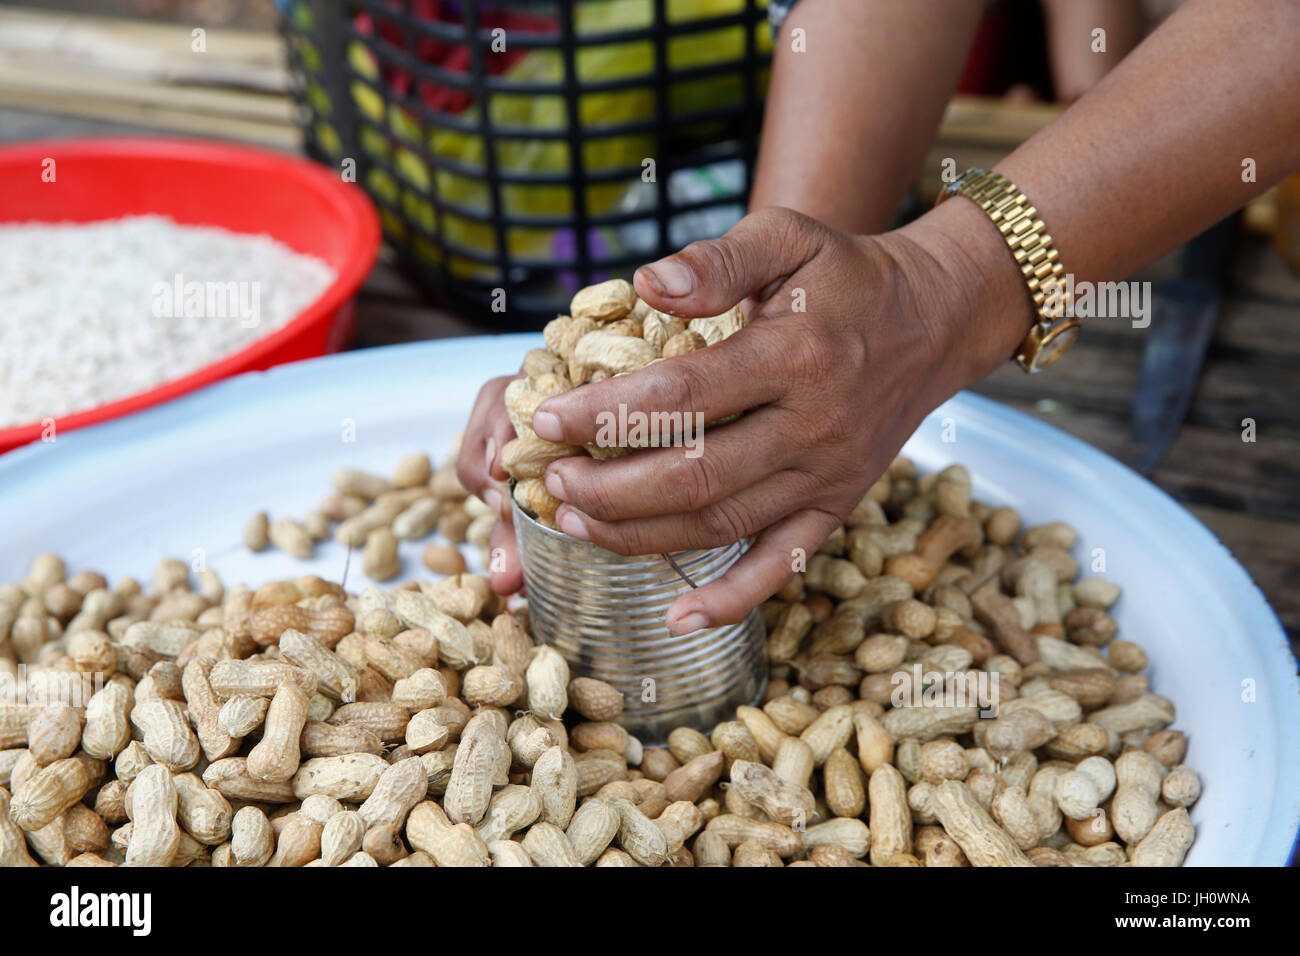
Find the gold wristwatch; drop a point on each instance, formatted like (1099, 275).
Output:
(1055, 329)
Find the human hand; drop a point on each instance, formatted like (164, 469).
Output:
(850, 343)
(479, 468)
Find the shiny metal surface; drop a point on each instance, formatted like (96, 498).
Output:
(605, 613)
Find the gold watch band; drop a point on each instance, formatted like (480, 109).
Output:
(1038, 259)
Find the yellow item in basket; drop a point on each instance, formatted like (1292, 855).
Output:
(515, 115)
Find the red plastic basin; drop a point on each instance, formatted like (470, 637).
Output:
(198, 182)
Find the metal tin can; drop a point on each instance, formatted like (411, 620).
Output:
(604, 612)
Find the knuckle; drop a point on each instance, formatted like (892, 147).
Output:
(787, 227)
(815, 356)
(730, 256)
(694, 388)
(716, 260)
(835, 424)
(588, 493)
(624, 537)
(780, 219)
(695, 482)
(796, 356)
(721, 523)
(679, 386)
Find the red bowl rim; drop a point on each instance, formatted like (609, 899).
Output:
(353, 209)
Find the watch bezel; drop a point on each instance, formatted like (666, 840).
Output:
(1035, 353)
(953, 188)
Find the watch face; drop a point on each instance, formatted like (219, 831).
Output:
(953, 188)
(1055, 342)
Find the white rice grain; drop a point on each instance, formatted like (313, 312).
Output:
(91, 313)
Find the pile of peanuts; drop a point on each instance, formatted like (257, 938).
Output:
(419, 725)
(609, 331)
(375, 513)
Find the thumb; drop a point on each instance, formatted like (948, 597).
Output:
(710, 276)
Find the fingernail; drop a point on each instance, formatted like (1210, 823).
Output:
(670, 278)
(492, 498)
(547, 425)
(555, 484)
(695, 621)
(573, 523)
(490, 452)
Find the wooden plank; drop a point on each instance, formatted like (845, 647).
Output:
(276, 135)
(1267, 332)
(1233, 390)
(1270, 552)
(1206, 466)
(1263, 332)
(97, 88)
(1101, 372)
(1267, 277)
(1214, 467)
(992, 121)
(253, 14)
(146, 74)
(17, 126)
(78, 43)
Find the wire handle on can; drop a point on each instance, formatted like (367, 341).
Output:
(676, 567)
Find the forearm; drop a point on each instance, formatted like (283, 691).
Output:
(1153, 155)
(1146, 160)
(849, 120)
(1075, 62)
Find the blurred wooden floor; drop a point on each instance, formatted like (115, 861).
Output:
(1246, 493)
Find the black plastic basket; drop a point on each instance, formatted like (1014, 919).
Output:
(615, 131)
